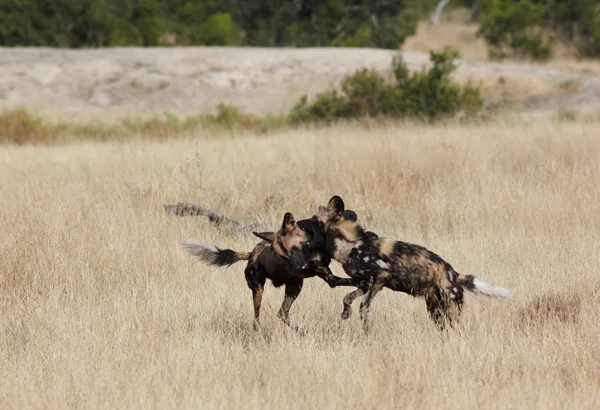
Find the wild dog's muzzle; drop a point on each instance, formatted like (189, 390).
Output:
(297, 260)
(315, 232)
(316, 229)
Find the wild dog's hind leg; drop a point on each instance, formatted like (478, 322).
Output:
(292, 290)
(256, 282)
(378, 282)
(435, 309)
(455, 302)
(444, 305)
(257, 295)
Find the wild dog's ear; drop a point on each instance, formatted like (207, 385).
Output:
(267, 236)
(350, 215)
(335, 207)
(372, 235)
(289, 223)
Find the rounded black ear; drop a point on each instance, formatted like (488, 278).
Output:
(289, 223)
(267, 236)
(335, 206)
(372, 236)
(350, 215)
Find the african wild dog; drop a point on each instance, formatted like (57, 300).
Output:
(280, 257)
(399, 266)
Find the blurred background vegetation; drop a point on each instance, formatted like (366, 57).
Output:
(512, 28)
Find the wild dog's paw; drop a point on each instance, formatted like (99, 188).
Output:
(332, 281)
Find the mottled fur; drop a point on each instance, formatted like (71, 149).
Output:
(396, 265)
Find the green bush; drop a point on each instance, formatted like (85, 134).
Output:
(427, 94)
(514, 28)
(362, 38)
(19, 126)
(218, 29)
(587, 34)
(509, 27)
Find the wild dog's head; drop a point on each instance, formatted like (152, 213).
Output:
(335, 229)
(288, 242)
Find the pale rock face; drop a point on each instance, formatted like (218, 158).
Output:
(196, 79)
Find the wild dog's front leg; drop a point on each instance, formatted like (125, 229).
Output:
(363, 287)
(257, 295)
(378, 282)
(325, 273)
(292, 290)
(256, 282)
(348, 299)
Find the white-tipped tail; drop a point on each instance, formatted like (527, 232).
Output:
(204, 251)
(483, 288)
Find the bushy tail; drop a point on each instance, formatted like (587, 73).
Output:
(479, 287)
(212, 255)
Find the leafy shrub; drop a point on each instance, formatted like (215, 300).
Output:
(362, 38)
(514, 27)
(229, 117)
(19, 126)
(427, 94)
(509, 27)
(218, 29)
(586, 35)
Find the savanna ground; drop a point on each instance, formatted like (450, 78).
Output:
(101, 308)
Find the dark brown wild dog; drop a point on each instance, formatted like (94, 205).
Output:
(396, 265)
(280, 257)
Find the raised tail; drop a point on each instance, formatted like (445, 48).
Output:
(479, 287)
(212, 255)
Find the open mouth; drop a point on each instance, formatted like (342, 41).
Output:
(304, 226)
(297, 260)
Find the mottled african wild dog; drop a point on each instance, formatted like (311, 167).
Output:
(280, 257)
(396, 265)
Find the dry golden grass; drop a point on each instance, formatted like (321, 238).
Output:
(455, 31)
(511, 90)
(101, 309)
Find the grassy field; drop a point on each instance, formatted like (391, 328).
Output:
(100, 308)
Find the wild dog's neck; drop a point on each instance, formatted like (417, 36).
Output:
(342, 249)
(345, 240)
